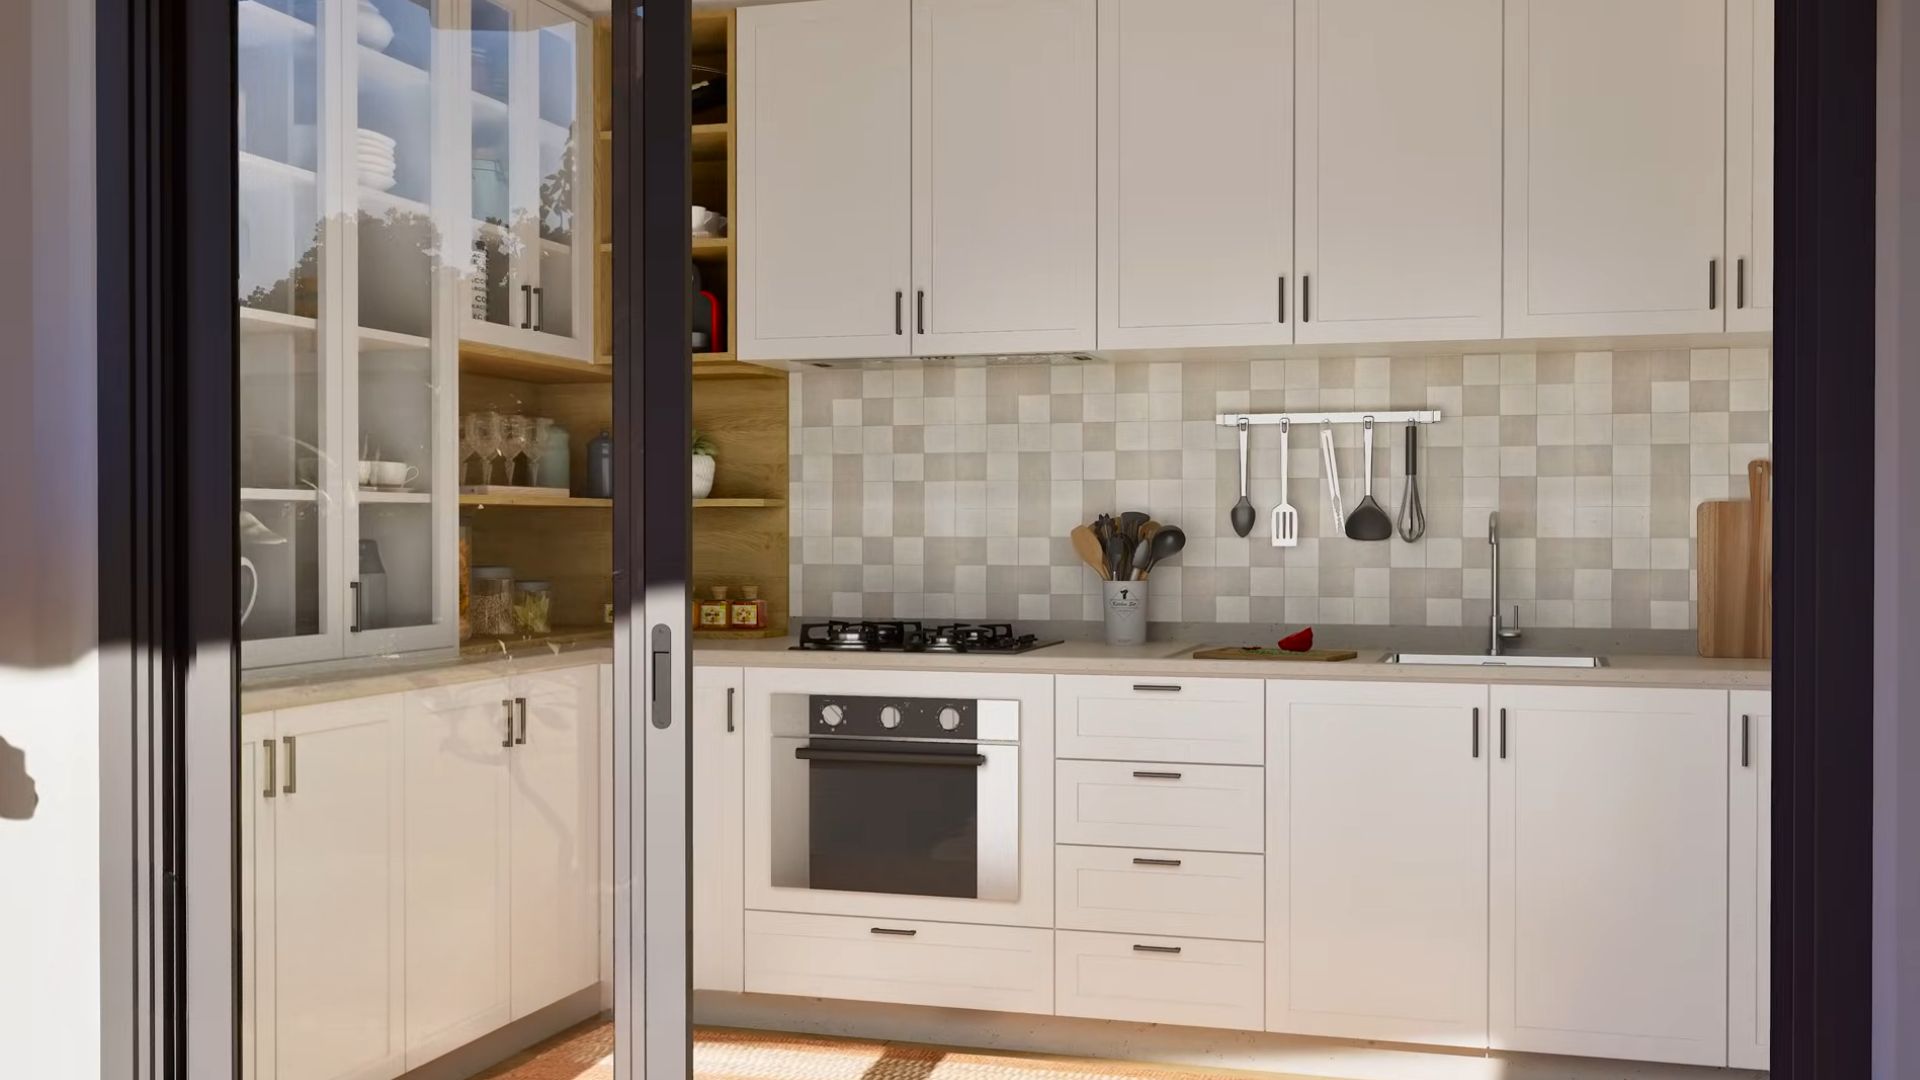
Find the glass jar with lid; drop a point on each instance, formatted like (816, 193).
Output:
(533, 607)
(490, 607)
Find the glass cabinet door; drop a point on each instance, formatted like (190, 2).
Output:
(562, 152)
(400, 370)
(290, 522)
(497, 204)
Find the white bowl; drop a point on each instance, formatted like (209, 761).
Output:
(375, 31)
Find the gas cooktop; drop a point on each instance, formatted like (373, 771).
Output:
(893, 635)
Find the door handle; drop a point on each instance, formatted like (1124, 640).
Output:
(1283, 298)
(526, 307)
(1503, 734)
(1740, 282)
(1713, 284)
(1306, 298)
(662, 677)
(520, 706)
(920, 311)
(507, 704)
(1173, 950)
(272, 761)
(729, 710)
(353, 587)
(1746, 741)
(1476, 732)
(293, 763)
(1138, 861)
(1145, 775)
(898, 298)
(890, 931)
(1157, 688)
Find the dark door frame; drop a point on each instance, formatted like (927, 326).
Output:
(168, 342)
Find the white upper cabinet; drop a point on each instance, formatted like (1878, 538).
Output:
(1750, 163)
(1003, 176)
(1397, 230)
(1609, 873)
(719, 837)
(1377, 861)
(1196, 172)
(1750, 879)
(1615, 167)
(825, 180)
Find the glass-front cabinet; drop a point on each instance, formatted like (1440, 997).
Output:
(531, 146)
(351, 168)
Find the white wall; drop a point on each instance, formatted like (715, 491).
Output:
(50, 921)
(1896, 825)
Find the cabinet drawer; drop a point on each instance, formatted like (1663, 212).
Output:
(1213, 721)
(1159, 980)
(1146, 891)
(1006, 968)
(1159, 805)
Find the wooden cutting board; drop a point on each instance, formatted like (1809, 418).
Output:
(1736, 570)
(1254, 652)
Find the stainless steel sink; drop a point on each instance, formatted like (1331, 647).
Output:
(1479, 660)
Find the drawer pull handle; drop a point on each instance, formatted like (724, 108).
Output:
(891, 931)
(1145, 775)
(1172, 950)
(1156, 862)
(1156, 688)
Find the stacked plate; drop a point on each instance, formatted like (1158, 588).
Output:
(375, 160)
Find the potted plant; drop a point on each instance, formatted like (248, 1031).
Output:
(703, 452)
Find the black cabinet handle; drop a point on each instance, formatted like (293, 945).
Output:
(539, 308)
(1740, 282)
(1140, 774)
(1306, 298)
(1156, 688)
(520, 707)
(1713, 284)
(1476, 733)
(273, 759)
(293, 765)
(1746, 741)
(1503, 733)
(920, 311)
(1170, 949)
(507, 704)
(354, 588)
(891, 931)
(729, 709)
(1283, 298)
(526, 307)
(898, 296)
(1155, 862)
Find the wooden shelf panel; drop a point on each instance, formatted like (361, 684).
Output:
(710, 142)
(722, 635)
(736, 504)
(501, 362)
(705, 248)
(482, 645)
(259, 321)
(302, 495)
(544, 502)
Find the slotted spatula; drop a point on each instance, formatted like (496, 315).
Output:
(1286, 520)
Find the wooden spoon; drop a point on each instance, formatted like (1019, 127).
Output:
(1088, 547)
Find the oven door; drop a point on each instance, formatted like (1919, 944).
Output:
(908, 817)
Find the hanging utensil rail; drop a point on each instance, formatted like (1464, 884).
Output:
(1385, 416)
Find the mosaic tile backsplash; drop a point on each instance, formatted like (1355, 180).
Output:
(947, 492)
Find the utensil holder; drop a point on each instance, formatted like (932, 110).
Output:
(1124, 605)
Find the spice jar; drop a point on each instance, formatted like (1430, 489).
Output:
(749, 612)
(490, 608)
(533, 607)
(712, 614)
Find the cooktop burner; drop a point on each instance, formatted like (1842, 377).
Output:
(895, 635)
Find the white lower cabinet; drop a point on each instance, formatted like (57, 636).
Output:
(555, 836)
(1749, 878)
(1164, 805)
(1146, 891)
(719, 834)
(321, 873)
(1158, 980)
(1377, 861)
(1609, 873)
(1114, 718)
(953, 965)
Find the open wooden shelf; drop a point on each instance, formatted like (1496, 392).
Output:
(745, 635)
(710, 142)
(708, 248)
(501, 362)
(736, 504)
(482, 645)
(548, 502)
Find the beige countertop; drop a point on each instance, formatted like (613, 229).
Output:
(1162, 658)
(1170, 658)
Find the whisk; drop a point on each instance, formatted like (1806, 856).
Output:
(1413, 520)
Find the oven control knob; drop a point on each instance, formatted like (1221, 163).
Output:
(832, 715)
(949, 718)
(890, 716)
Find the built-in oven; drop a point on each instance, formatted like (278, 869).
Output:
(917, 796)
(903, 794)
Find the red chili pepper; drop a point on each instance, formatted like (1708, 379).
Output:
(1299, 642)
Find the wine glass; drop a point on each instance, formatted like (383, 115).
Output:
(516, 435)
(466, 445)
(484, 433)
(537, 447)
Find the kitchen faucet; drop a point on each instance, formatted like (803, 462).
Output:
(1498, 635)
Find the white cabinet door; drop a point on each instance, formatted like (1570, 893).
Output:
(1157, 980)
(1116, 718)
(900, 961)
(555, 848)
(1377, 861)
(1609, 856)
(1159, 805)
(825, 180)
(1003, 176)
(1196, 172)
(339, 936)
(1750, 163)
(1398, 224)
(457, 741)
(719, 838)
(259, 786)
(1750, 879)
(1615, 166)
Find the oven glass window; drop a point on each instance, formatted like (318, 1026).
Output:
(910, 825)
